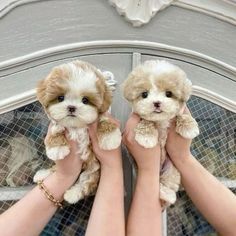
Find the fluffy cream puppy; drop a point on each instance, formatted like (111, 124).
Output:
(158, 92)
(75, 95)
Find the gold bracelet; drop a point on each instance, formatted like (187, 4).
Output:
(48, 195)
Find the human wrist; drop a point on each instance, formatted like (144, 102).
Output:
(112, 169)
(148, 165)
(149, 179)
(182, 159)
(150, 171)
(114, 166)
(66, 179)
(57, 185)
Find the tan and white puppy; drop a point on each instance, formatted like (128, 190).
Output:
(75, 95)
(158, 92)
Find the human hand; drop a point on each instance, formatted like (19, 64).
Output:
(107, 158)
(69, 168)
(178, 147)
(146, 158)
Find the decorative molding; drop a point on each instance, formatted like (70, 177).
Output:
(221, 9)
(136, 59)
(8, 5)
(13, 194)
(135, 47)
(17, 101)
(214, 98)
(116, 46)
(139, 12)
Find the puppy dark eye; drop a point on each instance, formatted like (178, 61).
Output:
(60, 98)
(144, 94)
(169, 94)
(85, 100)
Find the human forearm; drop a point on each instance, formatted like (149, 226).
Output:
(145, 212)
(30, 215)
(107, 216)
(212, 198)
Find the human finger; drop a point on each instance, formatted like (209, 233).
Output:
(92, 129)
(48, 132)
(131, 122)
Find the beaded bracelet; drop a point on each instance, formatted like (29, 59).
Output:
(48, 195)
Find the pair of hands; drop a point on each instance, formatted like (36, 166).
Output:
(149, 158)
(146, 159)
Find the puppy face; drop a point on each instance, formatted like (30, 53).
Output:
(157, 90)
(74, 94)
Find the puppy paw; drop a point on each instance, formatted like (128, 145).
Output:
(73, 195)
(57, 153)
(109, 141)
(41, 175)
(146, 134)
(186, 126)
(167, 195)
(147, 141)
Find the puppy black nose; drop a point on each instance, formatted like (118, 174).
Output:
(157, 104)
(71, 109)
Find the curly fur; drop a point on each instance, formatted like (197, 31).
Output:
(74, 95)
(158, 91)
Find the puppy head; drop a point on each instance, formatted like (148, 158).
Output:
(74, 94)
(157, 90)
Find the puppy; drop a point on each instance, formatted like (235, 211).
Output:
(75, 95)
(158, 92)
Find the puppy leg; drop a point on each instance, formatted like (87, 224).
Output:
(86, 185)
(146, 134)
(167, 196)
(109, 135)
(42, 174)
(169, 184)
(56, 145)
(187, 126)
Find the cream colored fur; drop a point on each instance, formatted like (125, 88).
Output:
(74, 95)
(158, 91)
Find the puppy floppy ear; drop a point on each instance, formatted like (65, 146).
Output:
(128, 88)
(187, 90)
(41, 92)
(107, 100)
(105, 93)
(186, 93)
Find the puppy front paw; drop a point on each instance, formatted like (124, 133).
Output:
(147, 141)
(57, 153)
(73, 195)
(146, 134)
(167, 195)
(187, 126)
(111, 140)
(41, 175)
